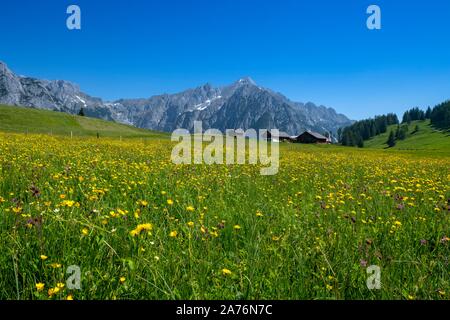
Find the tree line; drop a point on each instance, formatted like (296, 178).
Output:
(440, 116)
(360, 131)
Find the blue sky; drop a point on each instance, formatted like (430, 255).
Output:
(318, 51)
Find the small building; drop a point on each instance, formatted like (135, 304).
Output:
(282, 137)
(235, 133)
(312, 137)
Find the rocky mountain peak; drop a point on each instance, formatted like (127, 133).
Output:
(242, 104)
(246, 81)
(4, 68)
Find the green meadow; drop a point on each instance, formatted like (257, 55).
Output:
(137, 226)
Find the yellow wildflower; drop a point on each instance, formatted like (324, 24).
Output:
(173, 234)
(53, 291)
(17, 209)
(40, 286)
(142, 227)
(226, 272)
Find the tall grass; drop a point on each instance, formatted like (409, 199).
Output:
(219, 232)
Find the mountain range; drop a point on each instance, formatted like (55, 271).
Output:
(242, 104)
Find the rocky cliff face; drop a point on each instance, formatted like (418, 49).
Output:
(51, 95)
(242, 104)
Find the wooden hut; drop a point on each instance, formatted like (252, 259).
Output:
(312, 137)
(282, 137)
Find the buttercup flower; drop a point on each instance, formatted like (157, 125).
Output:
(40, 286)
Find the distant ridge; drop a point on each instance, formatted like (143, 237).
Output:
(242, 104)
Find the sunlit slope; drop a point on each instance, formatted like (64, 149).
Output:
(19, 119)
(426, 138)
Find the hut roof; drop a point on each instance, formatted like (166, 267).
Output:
(281, 134)
(316, 135)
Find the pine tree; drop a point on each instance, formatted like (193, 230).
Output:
(81, 112)
(360, 143)
(440, 116)
(339, 135)
(428, 113)
(401, 135)
(406, 117)
(391, 140)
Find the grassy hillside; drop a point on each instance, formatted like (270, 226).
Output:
(19, 119)
(427, 138)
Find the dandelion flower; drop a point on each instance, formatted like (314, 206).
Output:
(17, 209)
(68, 203)
(143, 203)
(173, 234)
(170, 202)
(226, 272)
(40, 286)
(141, 227)
(190, 224)
(190, 208)
(43, 257)
(53, 291)
(237, 227)
(85, 231)
(122, 279)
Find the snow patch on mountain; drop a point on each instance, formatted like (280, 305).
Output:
(242, 104)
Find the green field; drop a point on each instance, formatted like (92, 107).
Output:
(28, 120)
(140, 227)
